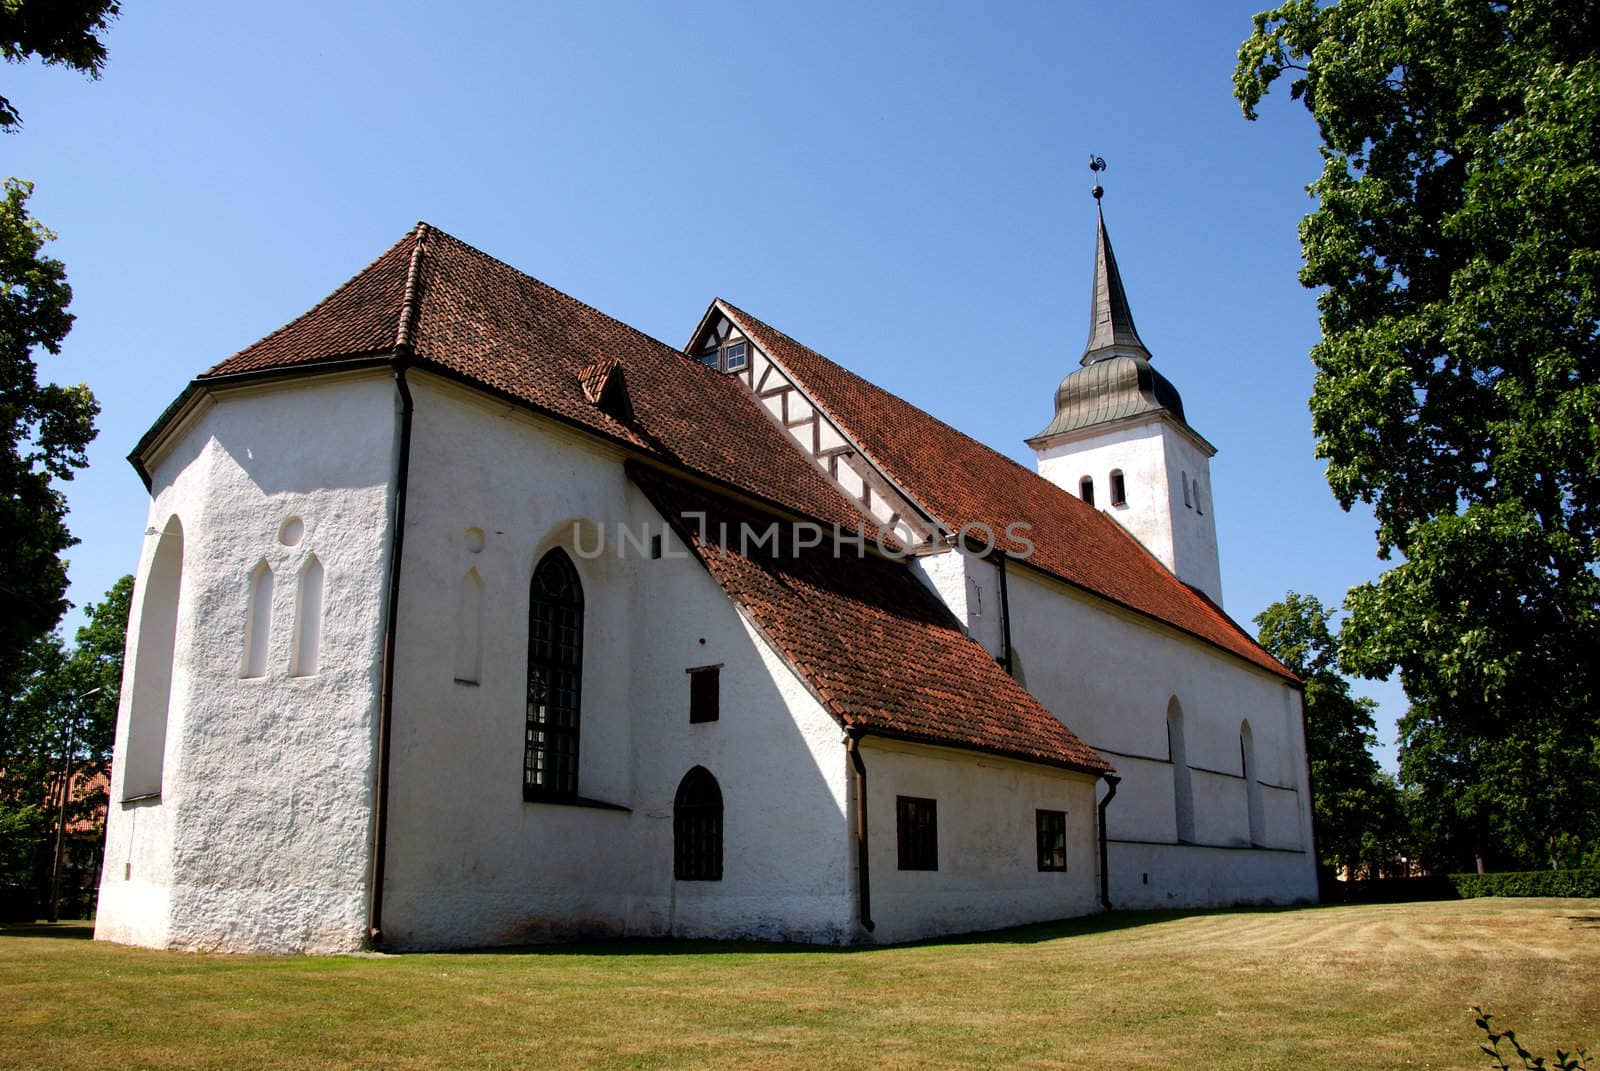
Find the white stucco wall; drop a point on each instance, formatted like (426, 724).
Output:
(1156, 461)
(471, 863)
(1109, 675)
(970, 587)
(988, 875)
(259, 839)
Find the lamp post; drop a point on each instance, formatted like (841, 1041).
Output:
(54, 914)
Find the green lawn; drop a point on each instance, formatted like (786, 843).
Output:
(1381, 987)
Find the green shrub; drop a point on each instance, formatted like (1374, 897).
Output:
(1528, 883)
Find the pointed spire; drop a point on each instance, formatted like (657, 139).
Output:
(1111, 330)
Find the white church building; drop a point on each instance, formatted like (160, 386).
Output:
(468, 615)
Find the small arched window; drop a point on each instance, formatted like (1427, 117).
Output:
(1183, 478)
(257, 622)
(1197, 507)
(697, 828)
(1119, 488)
(1086, 490)
(555, 671)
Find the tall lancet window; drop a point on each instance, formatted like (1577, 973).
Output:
(697, 828)
(257, 622)
(469, 629)
(1182, 788)
(307, 653)
(555, 670)
(1252, 784)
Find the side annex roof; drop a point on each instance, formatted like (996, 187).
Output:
(876, 647)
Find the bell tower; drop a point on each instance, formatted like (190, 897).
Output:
(1119, 439)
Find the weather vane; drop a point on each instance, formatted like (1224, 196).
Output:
(1097, 164)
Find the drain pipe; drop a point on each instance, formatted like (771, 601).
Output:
(852, 744)
(391, 629)
(1112, 781)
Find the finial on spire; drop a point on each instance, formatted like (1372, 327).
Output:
(1097, 164)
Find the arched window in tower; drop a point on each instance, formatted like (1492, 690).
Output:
(1183, 478)
(697, 828)
(1086, 489)
(555, 671)
(144, 754)
(1119, 488)
(1197, 507)
(257, 621)
(307, 653)
(1252, 783)
(1182, 789)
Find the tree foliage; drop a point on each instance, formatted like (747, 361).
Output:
(55, 702)
(1356, 814)
(44, 432)
(1456, 247)
(60, 32)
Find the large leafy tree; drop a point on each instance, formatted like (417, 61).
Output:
(65, 703)
(1356, 807)
(60, 32)
(44, 432)
(1456, 247)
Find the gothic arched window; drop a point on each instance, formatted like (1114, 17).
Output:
(555, 669)
(697, 828)
(1086, 489)
(1182, 788)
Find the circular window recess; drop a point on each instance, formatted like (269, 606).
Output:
(475, 539)
(291, 531)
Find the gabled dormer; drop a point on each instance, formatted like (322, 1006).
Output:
(723, 343)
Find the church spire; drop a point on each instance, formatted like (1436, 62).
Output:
(1111, 330)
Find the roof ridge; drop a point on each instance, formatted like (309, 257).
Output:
(410, 306)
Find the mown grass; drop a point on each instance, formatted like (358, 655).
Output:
(1338, 987)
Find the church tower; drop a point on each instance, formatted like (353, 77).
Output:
(1119, 440)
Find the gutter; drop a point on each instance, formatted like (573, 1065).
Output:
(391, 628)
(852, 745)
(403, 354)
(1005, 611)
(1112, 781)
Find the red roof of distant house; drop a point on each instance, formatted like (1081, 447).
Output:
(960, 481)
(876, 647)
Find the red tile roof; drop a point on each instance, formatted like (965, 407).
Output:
(480, 320)
(960, 481)
(880, 651)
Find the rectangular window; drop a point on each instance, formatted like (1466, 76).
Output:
(705, 687)
(917, 828)
(1052, 829)
(734, 355)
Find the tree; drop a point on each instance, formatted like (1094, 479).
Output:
(1355, 806)
(1456, 245)
(52, 707)
(44, 432)
(61, 32)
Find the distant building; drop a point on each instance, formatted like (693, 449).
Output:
(468, 615)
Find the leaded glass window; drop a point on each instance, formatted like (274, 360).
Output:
(697, 828)
(555, 671)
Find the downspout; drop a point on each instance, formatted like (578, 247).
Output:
(391, 629)
(852, 744)
(1112, 781)
(391, 610)
(1005, 611)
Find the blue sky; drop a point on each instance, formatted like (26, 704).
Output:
(903, 187)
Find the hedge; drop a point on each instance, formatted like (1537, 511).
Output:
(1528, 883)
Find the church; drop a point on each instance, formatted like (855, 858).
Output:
(467, 615)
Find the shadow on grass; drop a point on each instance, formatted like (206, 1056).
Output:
(70, 929)
(1035, 933)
